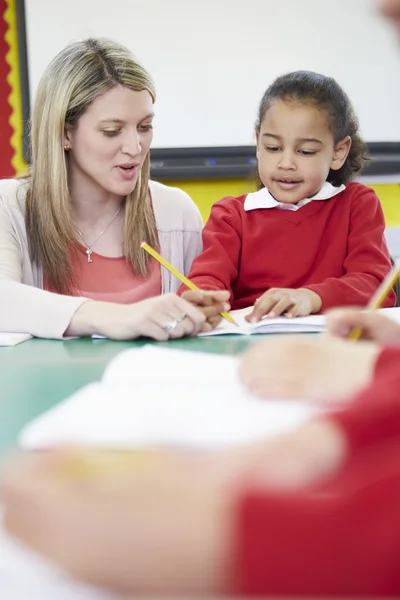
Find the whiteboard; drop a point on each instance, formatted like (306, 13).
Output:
(213, 59)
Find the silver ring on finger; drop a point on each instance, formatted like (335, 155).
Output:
(171, 325)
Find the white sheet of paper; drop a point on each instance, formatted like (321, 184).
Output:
(12, 339)
(160, 396)
(392, 313)
(309, 324)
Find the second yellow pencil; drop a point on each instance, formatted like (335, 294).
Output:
(379, 296)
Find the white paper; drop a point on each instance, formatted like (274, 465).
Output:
(12, 339)
(309, 324)
(393, 313)
(159, 396)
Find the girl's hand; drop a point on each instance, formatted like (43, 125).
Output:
(211, 304)
(292, 303)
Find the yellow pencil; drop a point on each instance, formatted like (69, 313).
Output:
(83, 464)
(379, 296)
(179, 275)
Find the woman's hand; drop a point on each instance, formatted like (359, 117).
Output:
(159, 318)
(293, 303)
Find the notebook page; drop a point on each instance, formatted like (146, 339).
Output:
(309, 324)
(391, 313)
(154, 396)
(242, 327)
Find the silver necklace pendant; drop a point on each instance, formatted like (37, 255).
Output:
(89, 248)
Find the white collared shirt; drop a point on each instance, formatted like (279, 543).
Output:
(263, 198)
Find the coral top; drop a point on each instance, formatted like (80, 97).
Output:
(111, 279)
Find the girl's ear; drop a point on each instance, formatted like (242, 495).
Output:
(340, 153)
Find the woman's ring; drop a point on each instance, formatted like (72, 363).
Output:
(171, 325)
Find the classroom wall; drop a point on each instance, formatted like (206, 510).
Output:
(211, 60)
(205, 193)
(390, 198)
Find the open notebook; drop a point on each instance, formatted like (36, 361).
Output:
(310, 324)
(160, 396)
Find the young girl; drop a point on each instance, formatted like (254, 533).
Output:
(308, 240)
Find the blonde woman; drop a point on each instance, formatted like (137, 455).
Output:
(70, 260)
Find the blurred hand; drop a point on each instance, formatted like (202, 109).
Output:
(116, 519)
(305, 456)
(211, 304)
(324, 368)
(375, 326)
(118, 525)
(294, 303)
(159, 318)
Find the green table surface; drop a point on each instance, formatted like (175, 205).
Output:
(37, 374)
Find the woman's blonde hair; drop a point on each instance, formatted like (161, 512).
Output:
(77, 76)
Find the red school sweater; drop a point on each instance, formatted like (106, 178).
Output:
(334, 247)
(341, 537)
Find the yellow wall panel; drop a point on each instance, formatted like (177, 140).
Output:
(206, 192)
(389, 194)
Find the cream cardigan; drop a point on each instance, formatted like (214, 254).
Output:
(26, 307)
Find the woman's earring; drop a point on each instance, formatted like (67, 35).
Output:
(67, 147)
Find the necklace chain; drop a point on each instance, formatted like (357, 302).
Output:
(90, 246)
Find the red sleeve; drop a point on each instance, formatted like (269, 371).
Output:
(374, 415)
(367, 262)
(217, 266)
(342, 539)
